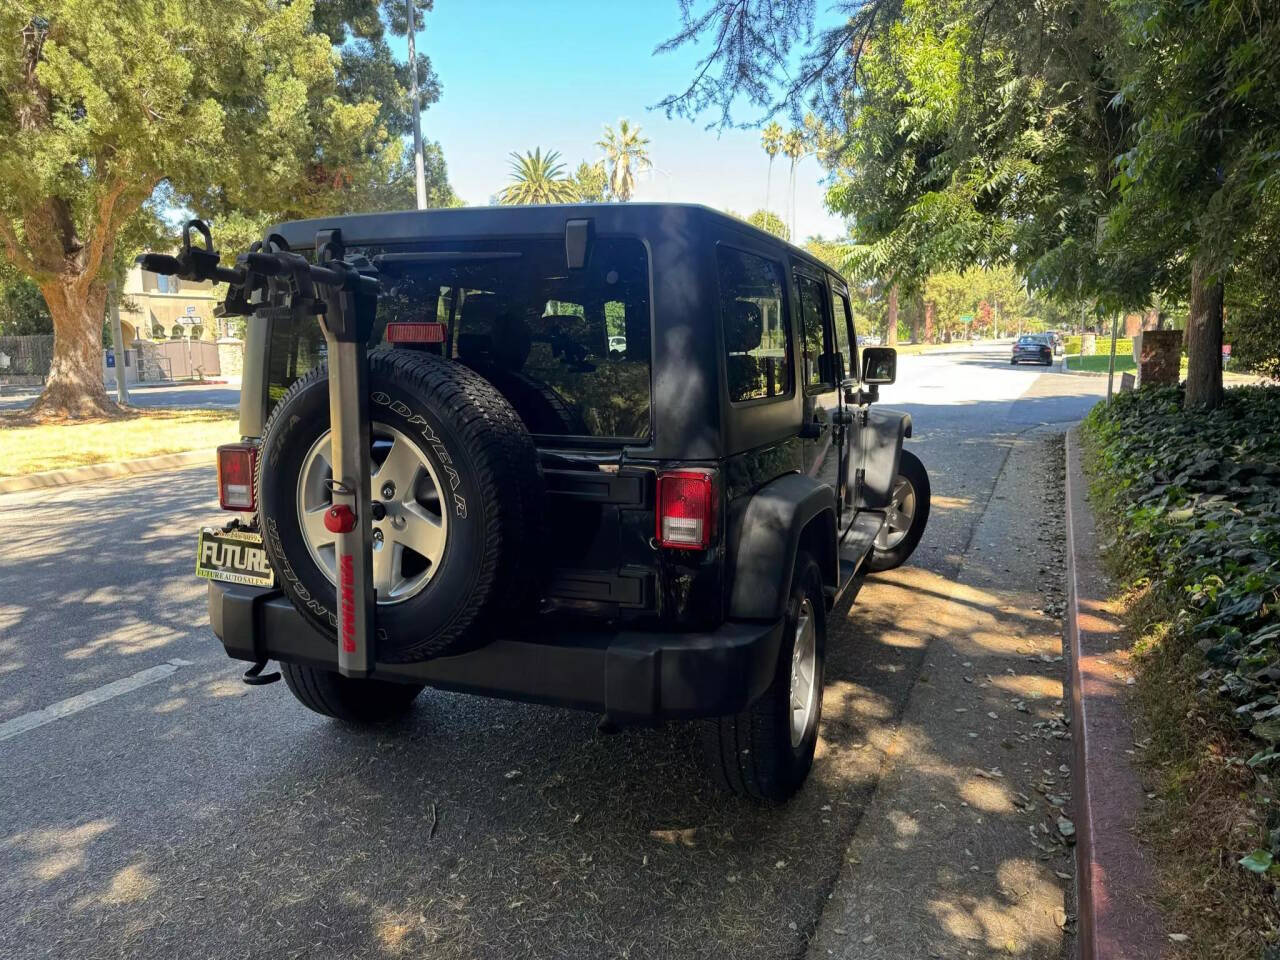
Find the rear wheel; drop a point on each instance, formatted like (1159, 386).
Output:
(766, 751)
(906, 516)
(347, 698)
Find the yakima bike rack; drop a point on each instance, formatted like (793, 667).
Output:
(345, 305)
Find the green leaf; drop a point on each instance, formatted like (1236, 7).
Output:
(1268, 730)
(1259, 861)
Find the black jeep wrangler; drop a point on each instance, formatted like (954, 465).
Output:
(620, 457)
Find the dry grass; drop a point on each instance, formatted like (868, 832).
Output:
(1202, 808)
(27, 447)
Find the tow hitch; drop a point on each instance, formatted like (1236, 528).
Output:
(345, 302)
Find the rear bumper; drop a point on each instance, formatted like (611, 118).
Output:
(629, 676)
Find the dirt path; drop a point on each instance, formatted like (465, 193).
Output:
(963, 850)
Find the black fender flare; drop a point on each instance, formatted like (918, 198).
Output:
(764, 537)
(881, 438)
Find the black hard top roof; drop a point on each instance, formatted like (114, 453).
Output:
(460, 223)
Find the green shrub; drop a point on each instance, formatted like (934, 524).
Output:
(1195, 501)
(1124, 345)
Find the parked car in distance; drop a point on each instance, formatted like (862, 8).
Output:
(1034, 348)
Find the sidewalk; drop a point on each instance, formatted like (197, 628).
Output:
(965, 849)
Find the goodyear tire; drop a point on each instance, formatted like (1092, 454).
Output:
(458, 505)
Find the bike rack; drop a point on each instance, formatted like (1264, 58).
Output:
(346, 306)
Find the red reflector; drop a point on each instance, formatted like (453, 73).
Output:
(405, 332)
(236, 465)
(686, 509)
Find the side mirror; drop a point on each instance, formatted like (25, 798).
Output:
(879, 365)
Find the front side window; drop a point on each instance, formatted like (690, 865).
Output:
(757, 338)
(813, 326)
(569, 349)
(842, 326)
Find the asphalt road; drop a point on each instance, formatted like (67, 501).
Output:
(222, 396)
(190, 815)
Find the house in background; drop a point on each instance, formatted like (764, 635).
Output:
(156, 307)
(170, 332)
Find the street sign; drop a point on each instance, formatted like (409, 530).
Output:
(966, 319)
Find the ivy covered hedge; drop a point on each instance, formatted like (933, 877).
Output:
(1194, 503)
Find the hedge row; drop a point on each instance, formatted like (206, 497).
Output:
(1195, 501)
(1124, 345)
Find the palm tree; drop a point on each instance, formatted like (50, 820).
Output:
(771, 140)
(794, 146)
(538, 179)
(625, 153)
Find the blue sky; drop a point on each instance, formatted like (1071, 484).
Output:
(552, 73)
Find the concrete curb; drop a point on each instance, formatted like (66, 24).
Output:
(105, 471)
(1115, 882)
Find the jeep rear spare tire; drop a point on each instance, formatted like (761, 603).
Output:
(457, 504)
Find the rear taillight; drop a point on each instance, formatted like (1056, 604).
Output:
(686, 509)
(236, 464)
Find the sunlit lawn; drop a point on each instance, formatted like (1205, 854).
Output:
(32, 449)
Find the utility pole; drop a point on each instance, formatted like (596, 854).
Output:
(1111, 364)
(419, 174)
(117, 343)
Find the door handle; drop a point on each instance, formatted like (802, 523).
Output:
(813, 429)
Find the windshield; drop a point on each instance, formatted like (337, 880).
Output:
(569, 349)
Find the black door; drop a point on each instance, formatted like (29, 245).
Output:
(846, 345)
(821, 367)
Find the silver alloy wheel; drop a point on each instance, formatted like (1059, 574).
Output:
(898, 516)
(410, 538)
(804, 672)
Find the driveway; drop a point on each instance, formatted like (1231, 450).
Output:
(166, 809)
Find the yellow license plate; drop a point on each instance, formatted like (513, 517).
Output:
(233, 556)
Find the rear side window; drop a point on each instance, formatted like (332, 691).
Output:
(757, 338)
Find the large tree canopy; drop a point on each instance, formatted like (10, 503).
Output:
(240, 111)
(1108, 149)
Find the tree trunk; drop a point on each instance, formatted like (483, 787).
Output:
(917, 315)
(1203, 340)
(891, 321)
(930, 308)
(74, 388)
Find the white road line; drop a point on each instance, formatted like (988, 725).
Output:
(90, 698)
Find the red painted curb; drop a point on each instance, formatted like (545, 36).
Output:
(1115, 882)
